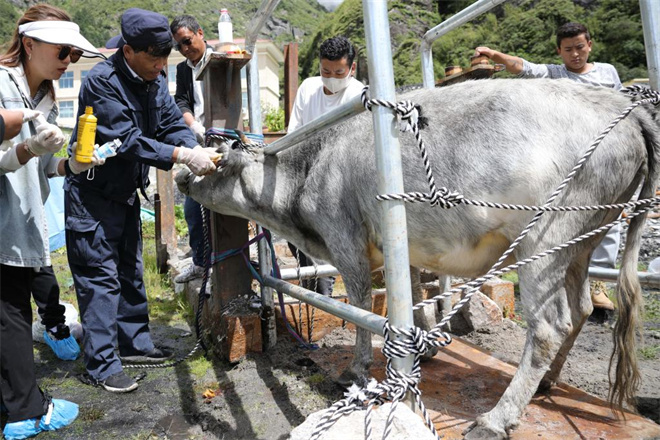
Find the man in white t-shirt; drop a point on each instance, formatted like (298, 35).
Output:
(318, 95)
(573, 46)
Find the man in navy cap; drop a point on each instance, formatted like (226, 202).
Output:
(130, 98)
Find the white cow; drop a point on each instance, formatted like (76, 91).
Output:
(510, 141)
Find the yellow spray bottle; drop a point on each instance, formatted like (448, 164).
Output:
(86, 136)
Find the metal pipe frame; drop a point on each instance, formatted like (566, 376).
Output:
(367, 320)
(646, 279)
(341, 113)
(650, 11)
(390, 174)
(456, 20)
(323, 270)
(254, 109)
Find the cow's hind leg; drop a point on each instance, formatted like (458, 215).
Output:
(357, 280)
(579, 300)
(543, 294)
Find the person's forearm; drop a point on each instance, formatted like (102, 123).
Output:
(511, 63)
(13, 122)
(188, 118)
(23, 154)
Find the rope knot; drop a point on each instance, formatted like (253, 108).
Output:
(446, 199)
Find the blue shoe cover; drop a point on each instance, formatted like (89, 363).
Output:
(60, 414)
(65, 349)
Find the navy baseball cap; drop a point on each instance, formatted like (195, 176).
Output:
(141, 28)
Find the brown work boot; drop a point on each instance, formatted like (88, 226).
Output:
(599, 296)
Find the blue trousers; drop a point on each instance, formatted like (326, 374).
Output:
(193, 214)
(104, 247)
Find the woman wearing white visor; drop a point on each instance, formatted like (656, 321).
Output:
(43, 45)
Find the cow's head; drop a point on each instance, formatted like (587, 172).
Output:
(235, 158)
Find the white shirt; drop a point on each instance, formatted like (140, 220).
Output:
(312, 103)
(198, 91)
(601, 74)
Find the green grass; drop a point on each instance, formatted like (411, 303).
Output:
(199, 366)
(650, 352)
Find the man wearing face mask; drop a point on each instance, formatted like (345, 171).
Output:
(319, 94)
(316, 96)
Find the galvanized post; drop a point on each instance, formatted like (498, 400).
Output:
(390, 175)
(456, 20)
(269, 332)
(650, 10)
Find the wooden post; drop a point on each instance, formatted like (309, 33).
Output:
(238, 332)
(166, 242)
(290, 79)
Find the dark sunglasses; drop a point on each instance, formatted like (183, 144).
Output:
(66, 51)
(184, 42)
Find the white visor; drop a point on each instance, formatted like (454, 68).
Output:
(65, 33)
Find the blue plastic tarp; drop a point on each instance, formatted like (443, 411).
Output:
(55, 213)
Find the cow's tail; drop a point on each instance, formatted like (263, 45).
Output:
(624, 380)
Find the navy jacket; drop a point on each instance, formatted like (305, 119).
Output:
(142, 115)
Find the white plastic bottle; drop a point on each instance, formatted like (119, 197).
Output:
(225, 30)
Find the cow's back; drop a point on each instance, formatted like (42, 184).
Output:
(511, 141)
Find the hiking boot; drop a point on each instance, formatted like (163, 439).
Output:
(189, 273)
(599, 297)
(60, 414)
(155, 356)
(62, 343)
(119, 383)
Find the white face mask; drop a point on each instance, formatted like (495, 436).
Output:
(336, 85)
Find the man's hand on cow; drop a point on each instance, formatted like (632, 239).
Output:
(199, 160)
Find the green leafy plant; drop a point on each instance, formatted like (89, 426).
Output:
(273, 118)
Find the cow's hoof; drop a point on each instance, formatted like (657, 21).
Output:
(476, 431)
(429, 354)
(349, 377)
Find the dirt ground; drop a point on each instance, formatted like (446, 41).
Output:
(266, 395)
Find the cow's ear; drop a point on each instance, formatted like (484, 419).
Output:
(236, 145)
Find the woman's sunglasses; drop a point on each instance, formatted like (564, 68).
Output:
(184, 42)
(65, 51)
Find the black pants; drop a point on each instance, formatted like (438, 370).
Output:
(46, 294)
(20, 393)
(323, 285)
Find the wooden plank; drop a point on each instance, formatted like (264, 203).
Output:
(479, 71)
(463, 381)
(231, 278)
(290, 79)
(166, 242)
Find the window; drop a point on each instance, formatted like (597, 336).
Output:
(171, 73)
(66, 80)
(83, 75)
(245, 101)
(66, 109)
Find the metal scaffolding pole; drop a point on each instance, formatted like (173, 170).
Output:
(390, 175)
(254, 109)
(456, 20)
(650, 10)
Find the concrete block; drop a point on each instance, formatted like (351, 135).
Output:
(501, 292)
